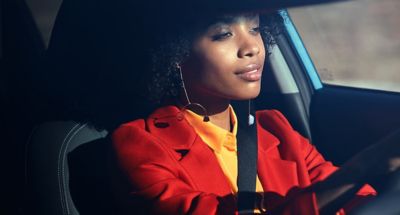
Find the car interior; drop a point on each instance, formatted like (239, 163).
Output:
(57, 165)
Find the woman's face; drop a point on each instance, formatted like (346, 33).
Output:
(226, 61)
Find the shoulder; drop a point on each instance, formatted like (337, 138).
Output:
(129, 131)
(131, 138)
(134, 148)
(140, 130)
(273, 121)
(273, 115)
(162, 132)
(134, 138)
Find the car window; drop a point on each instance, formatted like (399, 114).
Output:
(355, 43)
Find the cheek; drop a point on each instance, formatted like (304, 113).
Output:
(261, 45)
(218, 63)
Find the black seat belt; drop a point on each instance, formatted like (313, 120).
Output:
(247, 163)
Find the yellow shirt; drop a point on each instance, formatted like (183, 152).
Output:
(223, 144)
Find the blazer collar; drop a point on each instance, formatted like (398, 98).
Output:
(169, 125)
(266, 140)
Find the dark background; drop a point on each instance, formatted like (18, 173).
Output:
(25, 31)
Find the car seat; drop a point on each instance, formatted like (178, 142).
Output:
(66, 169)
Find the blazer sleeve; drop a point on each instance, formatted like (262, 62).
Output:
(154, 177)
(318, 169)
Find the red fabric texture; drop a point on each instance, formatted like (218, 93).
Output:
(175, 172)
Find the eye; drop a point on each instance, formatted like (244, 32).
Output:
(255, 30)
(221, 36)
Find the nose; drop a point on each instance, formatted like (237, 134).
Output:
(249, 47)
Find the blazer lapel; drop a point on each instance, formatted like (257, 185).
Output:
(196, 158)
(199, 162)
(276, 175)
(202, 165)
(169, 126)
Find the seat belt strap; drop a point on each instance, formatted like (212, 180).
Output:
(247, 165)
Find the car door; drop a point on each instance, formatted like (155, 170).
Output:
(355, 79)
(349, 54)
(344, 59)
(342, 90)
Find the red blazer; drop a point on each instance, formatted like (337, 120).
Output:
(174, 171)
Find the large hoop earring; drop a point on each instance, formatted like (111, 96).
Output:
(206, 118)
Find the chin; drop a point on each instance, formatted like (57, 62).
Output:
(249, 94)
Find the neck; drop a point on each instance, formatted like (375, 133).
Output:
(222, 119)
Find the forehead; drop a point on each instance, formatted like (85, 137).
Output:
(192, 27)
(234, 18)
(204, 25)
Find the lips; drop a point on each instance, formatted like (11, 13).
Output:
(250, 73)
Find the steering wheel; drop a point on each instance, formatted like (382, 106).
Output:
(386, 203)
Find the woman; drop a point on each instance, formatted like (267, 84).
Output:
(182, 159)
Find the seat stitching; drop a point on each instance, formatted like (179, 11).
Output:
(60, 173)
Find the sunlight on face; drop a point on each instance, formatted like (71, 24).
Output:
(227, 60)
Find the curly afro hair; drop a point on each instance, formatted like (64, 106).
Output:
(165, 83)
(107, 71)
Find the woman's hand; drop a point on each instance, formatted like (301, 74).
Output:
(377, 160)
